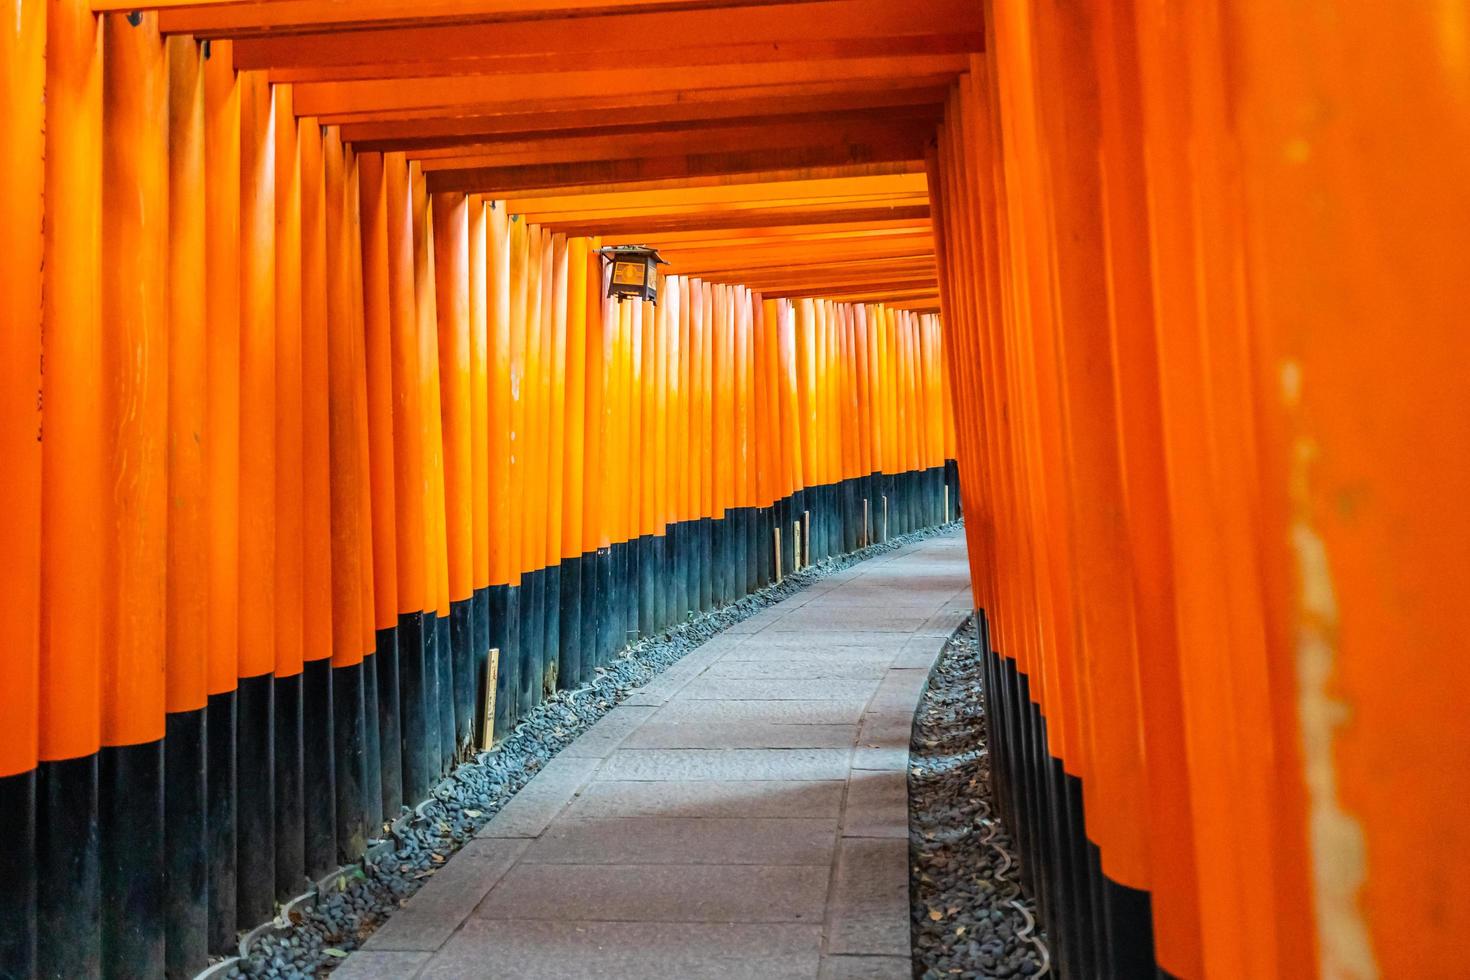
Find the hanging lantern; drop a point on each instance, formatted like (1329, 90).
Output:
(634, 271)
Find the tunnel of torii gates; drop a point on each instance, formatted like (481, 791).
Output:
(309, 397)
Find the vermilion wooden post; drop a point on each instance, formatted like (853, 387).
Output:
(398, 626)
(319, 822)
(452, 291)
(573, 665)
(479, 450)
(73, 492)
(187, 600)
(347, 515)
(23, 155)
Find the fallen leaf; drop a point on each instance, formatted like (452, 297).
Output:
(437, 858)
(935, 915)
(335, 952)
(472, 813)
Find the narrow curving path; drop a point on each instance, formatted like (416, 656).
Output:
(744, 815)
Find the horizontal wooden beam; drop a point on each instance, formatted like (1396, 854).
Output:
(637, 228)
(680, 58)
(550, 89)
(909, 168)
(508, 180)
(522, 102)
(428, 133)
(587, 42)
(879, 293)
(818, 279)
(796, 260)
(811, 235)
(796, 254)
(860, 131)
(764, 191)
(243, 18)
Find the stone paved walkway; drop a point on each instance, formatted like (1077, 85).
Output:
(744, 815)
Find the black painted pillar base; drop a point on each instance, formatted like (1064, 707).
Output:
(588, 648)
(18, 872)
(706, 550)
(630, 593)
(413, 707)
(480, 656)
(569, 654)
(607, 607)
(220, 792)
(290, 828)
(444, 691)
(550, 633)
(647, 582)
(319, 769)
(462, 647)
(255, 846)
(498, 597)
(351, 762)
(130, 821)
(372, 748)
(533, 639)
(186, 850)
(69, 873)
(390, 721)
(510, 658)
(432, 746)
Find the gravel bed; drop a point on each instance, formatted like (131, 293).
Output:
(969, 916)
(311, 937)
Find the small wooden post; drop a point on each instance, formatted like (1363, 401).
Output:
(946, 505)
(796, 546)
(885, 517)
(776, 531)
(806, 536)
(867, 536)
(492, 675)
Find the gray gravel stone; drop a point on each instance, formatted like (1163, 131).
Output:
(969, 916)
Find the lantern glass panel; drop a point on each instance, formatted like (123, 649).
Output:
(630, 273)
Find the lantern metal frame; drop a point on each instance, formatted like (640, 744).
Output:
(634, 259)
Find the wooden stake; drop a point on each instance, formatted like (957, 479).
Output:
(776, 531)
(492, 675)
(796, 549)
(885, 517)
(807, 536)
(867, 538)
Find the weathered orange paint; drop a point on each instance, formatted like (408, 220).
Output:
(23, 157)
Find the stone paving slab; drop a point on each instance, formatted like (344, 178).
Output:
(660, 893)
(687, 840)
(733, 735)
(877, 805)
(869, 909)
(575, 950)
(779, 689)
(708, 798)
(867, 968)
(856, 648)
(536, 805)
(804, 668)
(825, 618)
(696, 764)
(745, 815)
(848, 712)
(449, 897)
(372, 965)
(610, 731)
